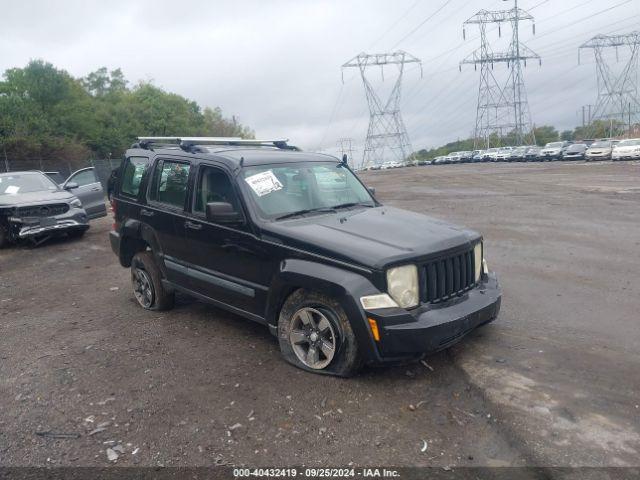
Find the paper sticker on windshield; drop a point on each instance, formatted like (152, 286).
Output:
(264, 183)
(12, 189)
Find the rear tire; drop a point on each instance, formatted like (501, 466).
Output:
(146, 279)
(315, 335)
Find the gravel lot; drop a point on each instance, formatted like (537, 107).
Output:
(554, 381)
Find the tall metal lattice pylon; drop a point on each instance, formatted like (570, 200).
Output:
(387, 138)
(345, 145)
(618, 98)
(503, 113)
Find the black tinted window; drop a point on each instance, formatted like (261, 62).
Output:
(170, 183)
(214, 186)
(134, 168)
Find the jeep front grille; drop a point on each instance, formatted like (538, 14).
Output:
(49, 210)
(447, 277)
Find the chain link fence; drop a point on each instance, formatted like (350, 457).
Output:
(103, 167)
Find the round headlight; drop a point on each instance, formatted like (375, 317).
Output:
(402, 285)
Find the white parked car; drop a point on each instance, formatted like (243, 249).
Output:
(502, 155)
(490, 155)
(553, 150)
(627, 150)
(454, 157)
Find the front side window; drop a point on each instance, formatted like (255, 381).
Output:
(86, 177)
(170, 183)
(134, 169)
(281, 190)
(214, 186)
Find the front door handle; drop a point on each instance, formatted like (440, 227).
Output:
(192, 225)
(147, 213)
(95, 189)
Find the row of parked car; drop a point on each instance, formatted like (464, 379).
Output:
(604, 149)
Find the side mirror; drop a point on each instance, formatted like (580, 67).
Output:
(222, 212)
(70, 185)
(372, 191)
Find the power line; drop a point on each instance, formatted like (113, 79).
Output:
(421, 24)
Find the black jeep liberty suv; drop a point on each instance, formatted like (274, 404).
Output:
(295, 241)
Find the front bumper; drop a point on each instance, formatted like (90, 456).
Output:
(430, 328)
(592, 155)
(625, 156)
(32, 227)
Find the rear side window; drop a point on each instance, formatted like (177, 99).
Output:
(134, 169)
(170, 183)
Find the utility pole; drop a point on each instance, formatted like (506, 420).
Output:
(618, 96)
(502, 109)
(387, 137)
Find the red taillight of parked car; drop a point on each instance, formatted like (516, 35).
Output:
(113, 209)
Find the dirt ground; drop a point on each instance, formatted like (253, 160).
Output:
(554, 381)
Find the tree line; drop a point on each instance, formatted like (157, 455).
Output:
(48, 116)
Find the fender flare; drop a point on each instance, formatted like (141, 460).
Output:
(346, 286)
(135, 236)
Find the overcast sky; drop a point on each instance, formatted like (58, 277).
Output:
(276, 64)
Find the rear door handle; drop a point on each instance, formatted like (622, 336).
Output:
(147, 213)
(193, 226)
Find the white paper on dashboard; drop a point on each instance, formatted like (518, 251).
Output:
(264, 183)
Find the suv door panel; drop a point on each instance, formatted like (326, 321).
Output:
(225, 262)
(164, 213)
(89, 191)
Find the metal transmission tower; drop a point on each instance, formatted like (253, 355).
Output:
(387, 137)
(618, 98)
(345, 145)
(502, 109)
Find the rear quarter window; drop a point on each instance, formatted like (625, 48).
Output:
(134, 168)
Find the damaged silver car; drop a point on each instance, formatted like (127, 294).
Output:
(35, 208)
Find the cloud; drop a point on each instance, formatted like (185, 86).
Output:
(276, 64)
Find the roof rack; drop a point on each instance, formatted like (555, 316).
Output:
(188, 143)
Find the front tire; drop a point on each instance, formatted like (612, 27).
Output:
(315, 335)
(146, 280)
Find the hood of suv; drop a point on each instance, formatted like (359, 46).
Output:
(372, 237)
(35, 198)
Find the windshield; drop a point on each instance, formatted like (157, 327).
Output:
(287, 189)
(577, 146)
(600, 144)
(11, 184)
(629, 143)
(554, 144)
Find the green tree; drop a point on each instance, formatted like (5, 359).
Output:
(47, 115)
(545, 134)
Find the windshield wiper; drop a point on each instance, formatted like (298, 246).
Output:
(353, 204)
(303, 212)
